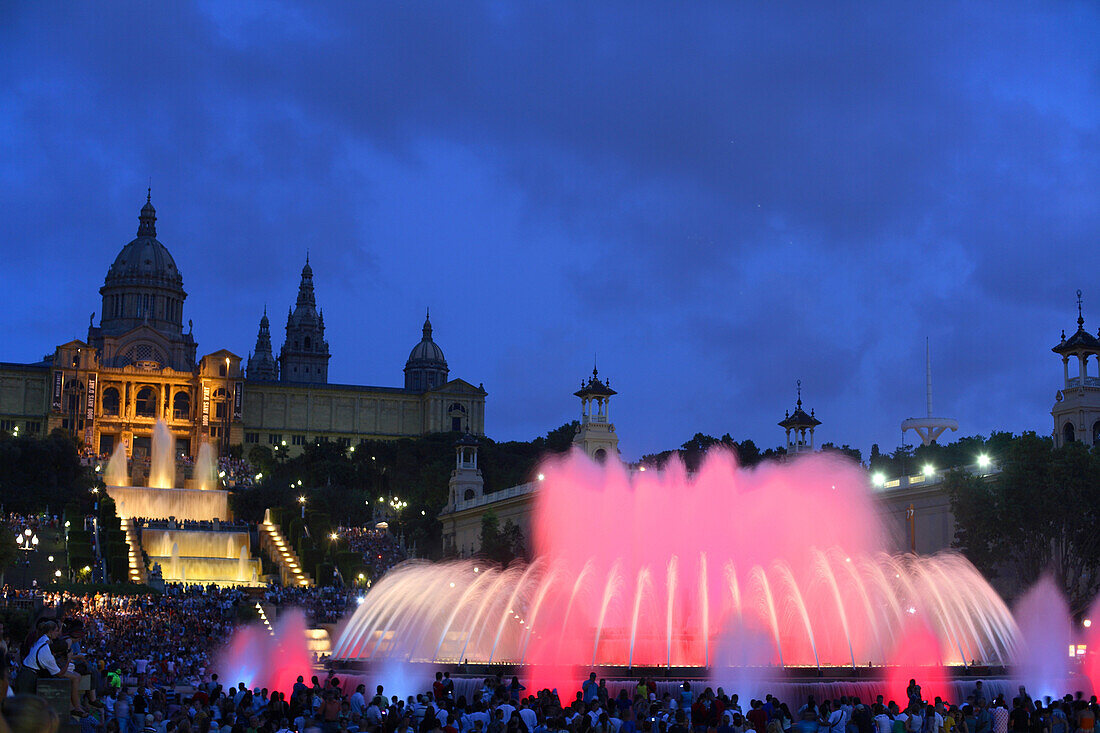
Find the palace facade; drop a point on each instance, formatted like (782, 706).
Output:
(139, 365)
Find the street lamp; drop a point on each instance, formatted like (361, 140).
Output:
(929, 469)
(983, 461)
(225, 417)
(302, 501)
(27, 542)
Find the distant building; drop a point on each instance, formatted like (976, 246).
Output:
(1076, 408)
(139, 365)
(799, 427)
(467, 501)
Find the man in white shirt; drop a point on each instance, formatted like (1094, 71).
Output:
(832, 720)
(529, 716)
(883, 722)
(40, 658)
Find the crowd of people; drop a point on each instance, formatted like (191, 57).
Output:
(148, 662)
(381, 550)
(324, 605)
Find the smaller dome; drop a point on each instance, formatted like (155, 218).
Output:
(427, 351)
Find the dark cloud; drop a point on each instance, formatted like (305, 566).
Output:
(714, 199)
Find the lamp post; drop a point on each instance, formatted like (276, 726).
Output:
(225, 420)
(302, 501)
(27, 541)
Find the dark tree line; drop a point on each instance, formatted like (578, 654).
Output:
(1039, 515)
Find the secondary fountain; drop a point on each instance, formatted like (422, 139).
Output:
(663, 569)
(161, 499)
(208, 555)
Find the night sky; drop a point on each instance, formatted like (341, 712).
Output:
(713, 199)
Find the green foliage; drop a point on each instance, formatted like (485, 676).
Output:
(1037, 516)
(500, 544)
(8, 548)
(80, 535)
(36, 473)
(693, 451)
(345, 485)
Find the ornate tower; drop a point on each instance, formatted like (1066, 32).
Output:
(1076, 408)
(596, 433)
(426, 368)
(262, 366)
(797, 424)
(304, 356)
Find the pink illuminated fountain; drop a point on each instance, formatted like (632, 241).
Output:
(778, 567)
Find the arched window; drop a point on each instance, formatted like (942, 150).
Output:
(600, 455)
(74, 395)
(181, 406)
(1096, 433)
(146, 403)
(308, 343)
(1067, 433)
(110, 401)
(468, 495)
(220, 403)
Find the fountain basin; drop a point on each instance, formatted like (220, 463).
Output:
(191, 504)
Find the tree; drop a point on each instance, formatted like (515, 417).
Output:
(501, 545)
(1037, 516)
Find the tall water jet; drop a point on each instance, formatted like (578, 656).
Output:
(174, 559)
(162, 465)
(205, 473)
(244, 566)
(1042, 661)
(118, 471)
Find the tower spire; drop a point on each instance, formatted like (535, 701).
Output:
(1080, 317)
(147, 220)
(928, 372)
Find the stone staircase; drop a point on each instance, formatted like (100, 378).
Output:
(137, 573)
(291, 572)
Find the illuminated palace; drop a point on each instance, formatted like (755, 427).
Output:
(139, 364)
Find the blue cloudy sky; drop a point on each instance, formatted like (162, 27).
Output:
(715, 199)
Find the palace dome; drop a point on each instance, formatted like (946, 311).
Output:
(145, 259)
(426, 367)
(427, 352)
(143, 284)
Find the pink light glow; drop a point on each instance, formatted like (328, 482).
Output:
(258, 660)
(728, 569)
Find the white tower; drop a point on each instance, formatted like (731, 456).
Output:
(1076, 408)
(800, 427)
(596, 434)
(928, 428)
(466, 481)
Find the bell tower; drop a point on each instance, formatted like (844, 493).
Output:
(1076, 408)
(798, 424)
(596, 434)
